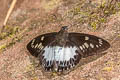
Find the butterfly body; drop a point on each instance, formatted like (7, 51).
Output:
(62, 51)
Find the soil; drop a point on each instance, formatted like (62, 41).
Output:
(36, 17)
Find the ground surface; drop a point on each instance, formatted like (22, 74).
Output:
(34, 17)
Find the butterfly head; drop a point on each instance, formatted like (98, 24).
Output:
(64, 28)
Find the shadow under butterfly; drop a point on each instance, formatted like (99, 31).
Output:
(62, 51)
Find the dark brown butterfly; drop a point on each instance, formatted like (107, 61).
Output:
(61, 51)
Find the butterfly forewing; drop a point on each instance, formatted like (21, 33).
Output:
(37, 44)
(89, 44)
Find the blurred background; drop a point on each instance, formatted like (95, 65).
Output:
(30, 18)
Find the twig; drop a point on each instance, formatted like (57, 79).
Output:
(9, 12)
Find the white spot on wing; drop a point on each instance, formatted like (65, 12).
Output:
(91, 45)
(100, 41)
(86, 38)
(100, 45)
(81, 47)
(97, 46)
(42, 38)
(32, 43)
(86, 45)
(40, 46)
(36, 46)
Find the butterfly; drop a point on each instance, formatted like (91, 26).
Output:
(62, 51)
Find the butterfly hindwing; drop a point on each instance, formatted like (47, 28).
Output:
(59, 58)
(89, 44)
(37, 44)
